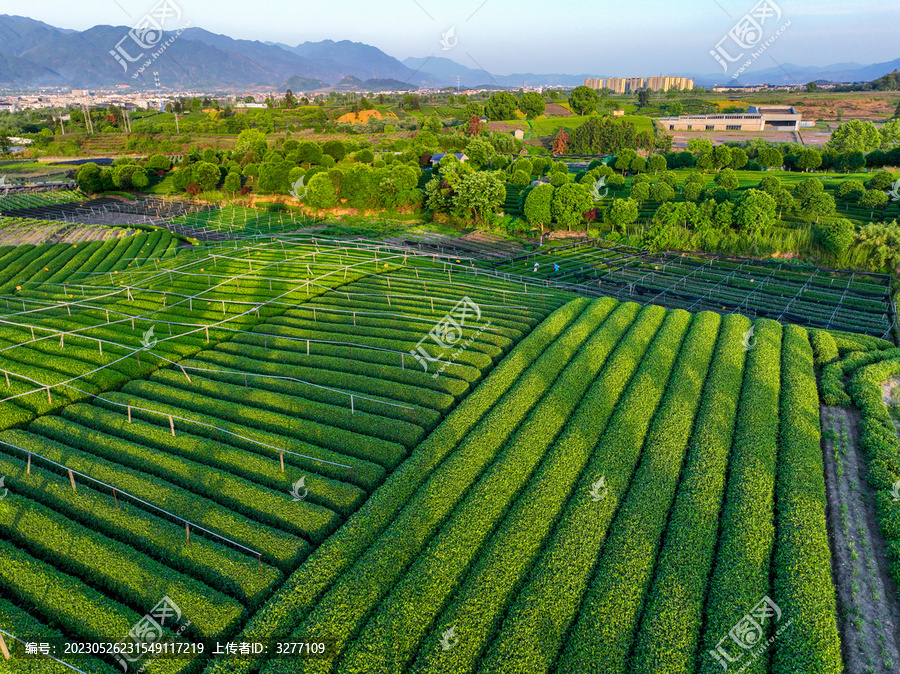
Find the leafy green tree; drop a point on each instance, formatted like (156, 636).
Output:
(881, 180)
(890, 133)
(251, 140)
(624, 159)
(622, 213)
(558, 178)
(692, 191)
(643, 98)
(739, 158)
(817, 204)
(538, 206)
(669, 179)
(852, 162)
(836, 236)
(641, 192)
(785, 202)
(158, 162)
(879, 245)
(641, 178)
(675, 109)
(205, 175)
(309, 152)
(411, 102)
(723, 214)
(855, 136)
(365, 156)
(770, 184)
(873, 199)
(769, 158)
(88, 178)
(721, 157)
(520, 178)
(755, 212)
(532, 104)
(320, 193)
(432, 123)
(232, 182)
(474, 110)
(501, 106)
(570, 202)
(727, 179)
(638, 164)
(849, 191)
(479, 152)
(809, 187)
(273, 175)
(661, 192)
(122, 175)
(358, 186)
(656, 163)
(809, 159)
(584, 100)
(335, 148)
(522, 164)
(479, 195)
(139, 178)
(699, 146)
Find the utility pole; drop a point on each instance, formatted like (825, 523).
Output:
(88, 123)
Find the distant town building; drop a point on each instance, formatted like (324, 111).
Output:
(757, 118)
(664, 83)
(627, 85)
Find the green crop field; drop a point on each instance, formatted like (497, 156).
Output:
(428, 463)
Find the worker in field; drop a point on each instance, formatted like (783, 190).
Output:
(555, 267)
(537, 265)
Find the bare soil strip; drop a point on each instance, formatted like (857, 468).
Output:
(868, 606)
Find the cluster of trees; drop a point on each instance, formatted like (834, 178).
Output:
(502, 105)
(859, 136)
(758, 155)
(458, 190)
(123, 174)
(606, 136)
(391, 187)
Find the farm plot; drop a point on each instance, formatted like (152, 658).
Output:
(235, 221)
(541, 526)
(205, 464)
(808, 296)
(33, 199)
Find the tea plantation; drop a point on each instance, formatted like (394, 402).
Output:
(423, 463)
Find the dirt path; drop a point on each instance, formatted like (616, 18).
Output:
(868, 605)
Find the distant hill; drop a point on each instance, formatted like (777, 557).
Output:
(297, 83)
(34, 54)
(373, 85)
(791, 73)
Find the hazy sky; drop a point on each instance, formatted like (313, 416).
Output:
(640, 37)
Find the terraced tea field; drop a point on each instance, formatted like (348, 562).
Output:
(349, 456)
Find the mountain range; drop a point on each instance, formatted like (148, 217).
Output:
(35, 54)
